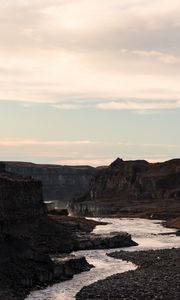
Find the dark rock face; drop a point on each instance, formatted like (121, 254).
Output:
(61, 183)
(21, 204)
(28, 236)
(23, 268)
(113, 240)
(133, 187)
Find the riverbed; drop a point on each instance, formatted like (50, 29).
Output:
(149, 234)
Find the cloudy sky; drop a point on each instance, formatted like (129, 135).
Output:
(85, 81)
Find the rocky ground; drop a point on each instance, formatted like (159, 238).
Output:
(59, 234)
(25, 263)
(23, 268)
(157, 277)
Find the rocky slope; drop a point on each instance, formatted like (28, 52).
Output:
(26, 234)
(133, 188)
(61, 183)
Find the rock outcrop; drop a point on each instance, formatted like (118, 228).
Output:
(28, 236)
(61, 183)
(108, 241)
(134, 188)
(21, 204)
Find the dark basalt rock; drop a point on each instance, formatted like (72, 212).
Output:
(133, 188)
(60, 183)
(108, 241)
(21, 204)
(28, 236)
(24, 268)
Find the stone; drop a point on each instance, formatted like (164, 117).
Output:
(108, 241)
(134, 189)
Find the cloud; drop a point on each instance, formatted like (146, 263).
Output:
(139, 105)
(163, 57)
(19, 143)
(58, 51)
(77, 152)
(150, 145)
(92, 162)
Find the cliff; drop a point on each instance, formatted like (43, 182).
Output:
(61, 183)
(28, 236)
(134, 188)
(21, 204)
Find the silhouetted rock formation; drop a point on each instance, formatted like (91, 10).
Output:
(106, 241)
(27, 236)
(21, 204)
(61, 183)
(134, 188)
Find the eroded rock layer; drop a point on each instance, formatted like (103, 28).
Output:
(133, 188)
(28, 236)
(61, 183)
(21, 204)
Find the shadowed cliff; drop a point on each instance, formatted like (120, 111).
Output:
(134, 188)
(61, 183)
(27, 237)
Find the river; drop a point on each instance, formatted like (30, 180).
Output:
(149, 234)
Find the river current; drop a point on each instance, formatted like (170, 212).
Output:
(149, 234)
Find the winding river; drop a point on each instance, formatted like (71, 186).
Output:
(149, 234)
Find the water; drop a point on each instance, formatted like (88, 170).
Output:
(147, 233)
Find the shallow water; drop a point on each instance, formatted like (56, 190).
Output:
(147, 233)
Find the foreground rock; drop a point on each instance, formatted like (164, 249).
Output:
(158, 277)
(23, 268)
(27, 237)
(112, 240)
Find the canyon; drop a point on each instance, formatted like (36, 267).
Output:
(26, 235)
(124, 188)
(35, 246)
(60, 183)
(133, 188)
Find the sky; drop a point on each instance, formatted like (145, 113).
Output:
(86, 81)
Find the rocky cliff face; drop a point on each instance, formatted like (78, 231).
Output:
(62, 183)
(21, 203)
(133, 187)
(28, 236)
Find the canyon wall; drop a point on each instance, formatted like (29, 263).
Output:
(61, 183)
(27, 237)
(133, 188)
(21, 203)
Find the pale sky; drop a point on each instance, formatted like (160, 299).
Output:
(86, 81)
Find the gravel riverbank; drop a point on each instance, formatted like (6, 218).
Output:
(157, 277)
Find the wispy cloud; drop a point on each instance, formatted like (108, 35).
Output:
(24, 142)
(148, 145)
(81, 152)
(57, 51)
(139, 105)
(93, 162)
